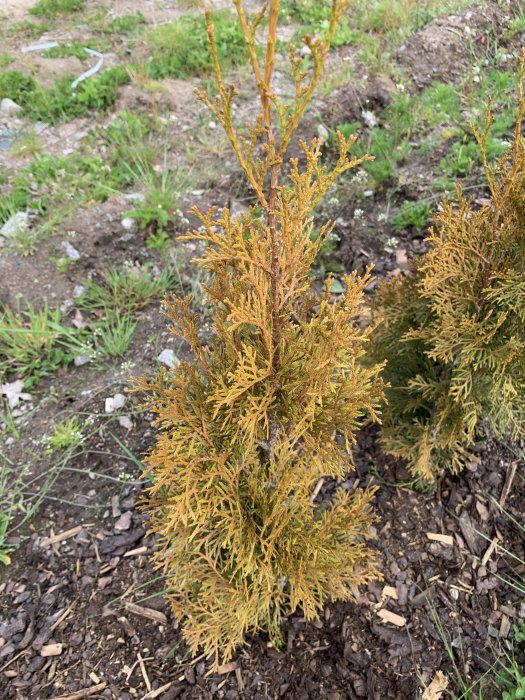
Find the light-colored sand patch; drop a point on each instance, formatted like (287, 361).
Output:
(14, 9)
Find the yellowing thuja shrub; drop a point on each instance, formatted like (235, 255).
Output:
(453, 334)
(269, 406)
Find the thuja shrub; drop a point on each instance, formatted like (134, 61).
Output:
(453, 333)
(269, 406)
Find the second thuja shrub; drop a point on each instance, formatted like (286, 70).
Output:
(270, 404)
(453, 332)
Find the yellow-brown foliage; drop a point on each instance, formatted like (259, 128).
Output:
(453, 334)
(269, 406)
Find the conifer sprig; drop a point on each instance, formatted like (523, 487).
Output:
(270, 406)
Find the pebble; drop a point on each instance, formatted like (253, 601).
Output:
(167, 357)
(114, 403)
(70, 250)
(81, 360)
(9, 108)
(129, 224)
(18, 223)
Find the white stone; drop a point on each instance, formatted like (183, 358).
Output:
(129, 224)
(118, 401)
(9, 108)
(70, 251)
(18, 223)
(167, 357)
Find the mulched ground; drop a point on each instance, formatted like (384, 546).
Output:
(80, 611)
(82, 617)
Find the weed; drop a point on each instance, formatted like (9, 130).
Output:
(180, 49)
(126, 289)
(161, 197)
(29, 342)
(61, 102)
(53, 8)
(125, 23)
(516, 26)
(412, 215)
(66, 435)
(111, 338)
(17, 87)
(5, 60)
(28, 144)
(27, 29)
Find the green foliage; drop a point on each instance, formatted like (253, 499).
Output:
(453, 333)
(30, 343)
(249, 426)
(53, 8)
(111, 338)
(162, 194)
(412, 215)
(17, 87)
(126, 289)
(61, 102)
(66, 435)
(180, 49)
(125, 23)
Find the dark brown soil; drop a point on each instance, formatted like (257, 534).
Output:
(81, 611)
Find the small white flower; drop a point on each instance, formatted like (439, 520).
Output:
(381, 217)
(358, 213)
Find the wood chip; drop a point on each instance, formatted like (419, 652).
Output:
(490, 549)
(94, 677)
(438, 537)
(227, 668)
(393, 618)
(155, 693)
(51, 650)
(136, 552)
(144, 672)
(84, 693)
(66, 535)
(511, 473)
(155, 615)
(389, 592)
(436, 689)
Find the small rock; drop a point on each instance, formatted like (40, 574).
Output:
(70, 251)
(369, 118)
(79, 291)
(167, 357)
(9, 108)
(125, 422)
(118, 401)
(81, 360)
(129, 224)
(124, 522)
(18, 223)
(322, 133)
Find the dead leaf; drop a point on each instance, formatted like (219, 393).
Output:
(13, 392)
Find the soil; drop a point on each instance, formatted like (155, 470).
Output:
(81, 613)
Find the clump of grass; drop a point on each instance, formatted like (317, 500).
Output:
(180, 49)
(126, 289)
(53, 8)
(61, 102)
(17, 86)
(29, 342)
(66, 435)
(412, 215)
(125, 24)
(111, 338)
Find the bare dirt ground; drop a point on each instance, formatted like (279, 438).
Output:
(81, 611)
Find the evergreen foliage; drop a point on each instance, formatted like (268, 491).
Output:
(269, 407)
(453, 333)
